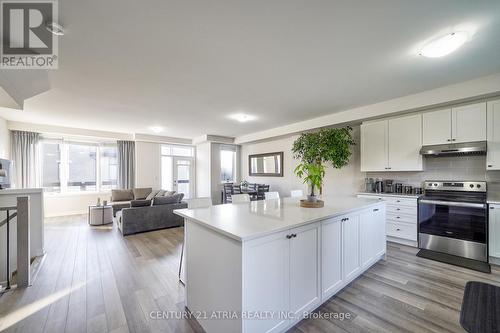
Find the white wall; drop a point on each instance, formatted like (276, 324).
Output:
(203, 175)
(345, 181)
(147, 164)
(71, 203)
(4, 139)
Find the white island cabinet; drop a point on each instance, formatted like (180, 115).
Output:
(262, 266)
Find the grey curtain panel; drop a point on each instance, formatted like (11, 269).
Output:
(25, 157)
(126, 164)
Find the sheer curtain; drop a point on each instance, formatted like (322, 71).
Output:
(25, 156)
(126, 164)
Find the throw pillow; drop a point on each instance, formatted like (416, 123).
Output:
(140, 203)
(176, 198)
(122, 195)
(167, 193)
(160, 193)
(152, 195)
(141, 193)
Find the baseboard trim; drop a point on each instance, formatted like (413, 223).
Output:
(77, 212)
(402, 241)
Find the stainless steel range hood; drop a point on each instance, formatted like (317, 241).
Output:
(466, 148)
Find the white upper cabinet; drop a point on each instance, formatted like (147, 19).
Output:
(493, 135)
(468, 123)
(374, 146)
(392, 145)
(460, 124)
(436, 127)
(405, 141)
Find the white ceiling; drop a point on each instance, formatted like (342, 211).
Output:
(126, 65)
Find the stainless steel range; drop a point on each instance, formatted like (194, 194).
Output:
(453, 223)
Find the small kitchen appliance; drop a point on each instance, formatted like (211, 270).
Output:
(379, 185)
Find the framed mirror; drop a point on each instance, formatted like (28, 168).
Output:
(266, 165)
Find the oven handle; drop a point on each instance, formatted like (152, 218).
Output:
(451, 203)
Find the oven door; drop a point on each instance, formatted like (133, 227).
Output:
(457, 228)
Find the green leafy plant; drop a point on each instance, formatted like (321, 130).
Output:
(316, 149)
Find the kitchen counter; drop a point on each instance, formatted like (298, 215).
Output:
(409, 196)
(266, 264)
(259, 218)
(493, 197)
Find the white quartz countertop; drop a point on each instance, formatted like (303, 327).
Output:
(247, 221)
(493, 197)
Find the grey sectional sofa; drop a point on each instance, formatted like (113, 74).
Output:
(146, 215)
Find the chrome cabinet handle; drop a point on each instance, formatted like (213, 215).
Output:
(375, 210)
(448, 140)
(398, 229)
(288, 236)
(490, 165)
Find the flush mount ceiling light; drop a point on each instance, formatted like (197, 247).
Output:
(444, 45)
(156, 129)
(242, 117)
(54, 28)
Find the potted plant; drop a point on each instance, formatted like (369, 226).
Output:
(316, 149)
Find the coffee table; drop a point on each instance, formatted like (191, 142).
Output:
(100, 215)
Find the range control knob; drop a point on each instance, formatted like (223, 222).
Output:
(478, 185)
(471, 185)
(435, 184)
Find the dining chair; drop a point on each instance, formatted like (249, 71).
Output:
(228, 191)
(193, 203)
(296, 193)
(240, 198)
(237, 189)
(261, 190)
(272, 195)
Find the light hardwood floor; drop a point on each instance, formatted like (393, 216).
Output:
(95, 280)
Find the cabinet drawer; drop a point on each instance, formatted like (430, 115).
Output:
(401, 209)
(412, 219)
(401, 201)
(402, 230)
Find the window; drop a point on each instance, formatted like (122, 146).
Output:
(51, 159)
(109, 167)
(228, 164)
(75, 167)
(82, 162)
(177, 166)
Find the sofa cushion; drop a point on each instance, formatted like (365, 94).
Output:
(176, 198)
(168, 193)
(152, 195)
(142, 192)
(122, 195)
(140, 203)
(160, 193)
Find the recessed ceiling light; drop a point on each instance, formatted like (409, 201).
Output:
(54, 28)
(156, 129)
(242, 117)
(444, 45)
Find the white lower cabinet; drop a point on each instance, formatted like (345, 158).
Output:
(304, 268)
(351, 248)
(494, 232)
(372, 235)
(266, 282)
(401, 218)
(292, 272)
(331, 260)
(350, 244)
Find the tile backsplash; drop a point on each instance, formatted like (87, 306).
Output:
(472, 168)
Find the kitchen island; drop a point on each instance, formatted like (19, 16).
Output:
(262, 266)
